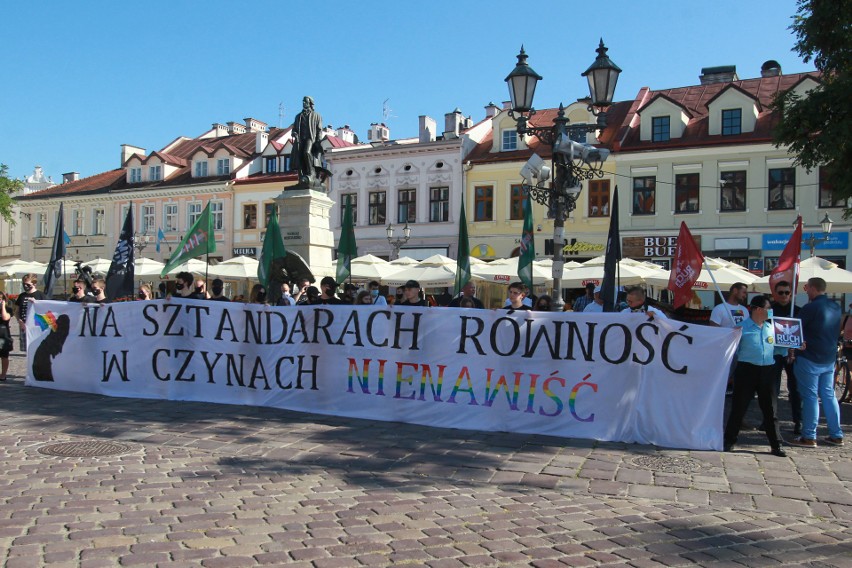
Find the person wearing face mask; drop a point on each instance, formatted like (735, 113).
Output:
(199, 291)
(217, 286)
(286, 299)
(327, 288)
(377, 297)
(258, 294)
(144, 292)
(5, 334)
(183, 286)
(98, 291)
(22, 305)
(79, 292)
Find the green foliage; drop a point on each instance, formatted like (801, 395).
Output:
(8, 186)
(817, 127)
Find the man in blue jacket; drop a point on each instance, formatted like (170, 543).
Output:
(814, 366)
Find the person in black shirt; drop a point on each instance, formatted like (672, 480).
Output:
(327, 287)
(217, 286)
(467, 291)
(517, 293)
(29, 281)
(79, 293)
(183, 286)
(782, 305)
(411, 295)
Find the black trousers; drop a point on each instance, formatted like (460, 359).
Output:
(750, 379)
(792, 388)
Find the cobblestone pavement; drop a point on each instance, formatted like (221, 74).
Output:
(217, 486)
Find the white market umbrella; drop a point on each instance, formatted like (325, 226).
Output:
(630, 273)
(437, 271)
(147, 267)
(192, 265)
(505, 271)
(20, 267)
(99, 265)
(241, 267)
(725, 277)
(838, 281)
(370, 267)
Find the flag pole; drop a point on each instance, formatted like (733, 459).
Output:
(716, 284)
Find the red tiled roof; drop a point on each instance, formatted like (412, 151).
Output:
(264, 178)
(339, 142)
(98, 183)
(166, 159)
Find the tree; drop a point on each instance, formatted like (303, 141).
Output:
(817, 127)
(8, 186)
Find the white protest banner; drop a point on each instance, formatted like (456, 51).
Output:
(788, 332)
(618, 377)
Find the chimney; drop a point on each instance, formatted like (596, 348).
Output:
(220, 129)
(261, 138)
(428, 128)
(255, 125)
(721, 74)
(452, 123)
(491, 110)
(507, 105)
(770, 68)
(127, 151)
(346, 134)
(378, 133)
(70, 176)
(236, 128)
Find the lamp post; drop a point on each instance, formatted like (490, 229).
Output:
(140, 242)
(572, 162)
(813, 240)
(398, 242)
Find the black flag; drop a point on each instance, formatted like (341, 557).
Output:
(54, 267)
(121, 276)
(609, 286)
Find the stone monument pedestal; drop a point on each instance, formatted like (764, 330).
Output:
(306, 227)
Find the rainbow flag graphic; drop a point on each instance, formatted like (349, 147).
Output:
(46, 320)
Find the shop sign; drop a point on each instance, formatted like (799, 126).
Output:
(579, 247)
(244, 251)
(292, 236)
(648, 247)
(777, 241)
(755, 266)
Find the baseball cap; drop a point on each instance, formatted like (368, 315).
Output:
(597, 289)
(411, 284)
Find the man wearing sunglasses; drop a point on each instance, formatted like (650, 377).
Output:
(782, 306)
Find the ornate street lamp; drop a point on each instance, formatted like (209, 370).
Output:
(399, 241)
(813, 240)
(140, 242)
(572, 162)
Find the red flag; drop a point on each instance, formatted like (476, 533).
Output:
(788, 263)
(686, 267)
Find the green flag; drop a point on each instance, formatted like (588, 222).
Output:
(273, 248)
(463, 260)
(198, 241)
(346, 249)
(525, 263)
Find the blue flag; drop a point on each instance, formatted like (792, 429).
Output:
(66, 238)
(160, 238)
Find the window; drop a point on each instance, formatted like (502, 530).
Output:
(201, 169)
(483, 203)
(407, 211)
(354, 198)
(686, 193)
(223, 166)
(148, 219)
(732, 120)
(439, 204)
(170, 215)
(510, 140)
(124, 210)
(827, 198)
(733, 191)
(155, 173)
(217, 209)
(286, 163)
(250, 216)
(135, 175)
(782, 189)
(516, 201)
(98, 222)
(644, 195)
(77, 221)
(193, 212)
(660, 129)
(41, 226)
(271, 165)
(378, 207)
(598, 198)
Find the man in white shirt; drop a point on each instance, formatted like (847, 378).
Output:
(636, 304)
(732, 311)
(597, 304)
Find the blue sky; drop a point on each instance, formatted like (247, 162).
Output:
(83, 78)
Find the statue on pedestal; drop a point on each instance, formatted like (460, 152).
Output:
(307, 155)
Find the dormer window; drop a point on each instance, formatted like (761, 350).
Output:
(271, 165)
(510, 140)
(223, 166)
(135, 175)
(201, 169)
(732, 121)
(661, 129)
(155, 173)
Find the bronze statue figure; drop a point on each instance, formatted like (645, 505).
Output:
(307, 155)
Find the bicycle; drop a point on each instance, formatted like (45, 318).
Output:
(842, 377)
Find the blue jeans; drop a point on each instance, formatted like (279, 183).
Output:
(814, 379)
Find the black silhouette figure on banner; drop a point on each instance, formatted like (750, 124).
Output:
(49, 348)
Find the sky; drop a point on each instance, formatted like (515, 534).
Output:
(83, 78)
